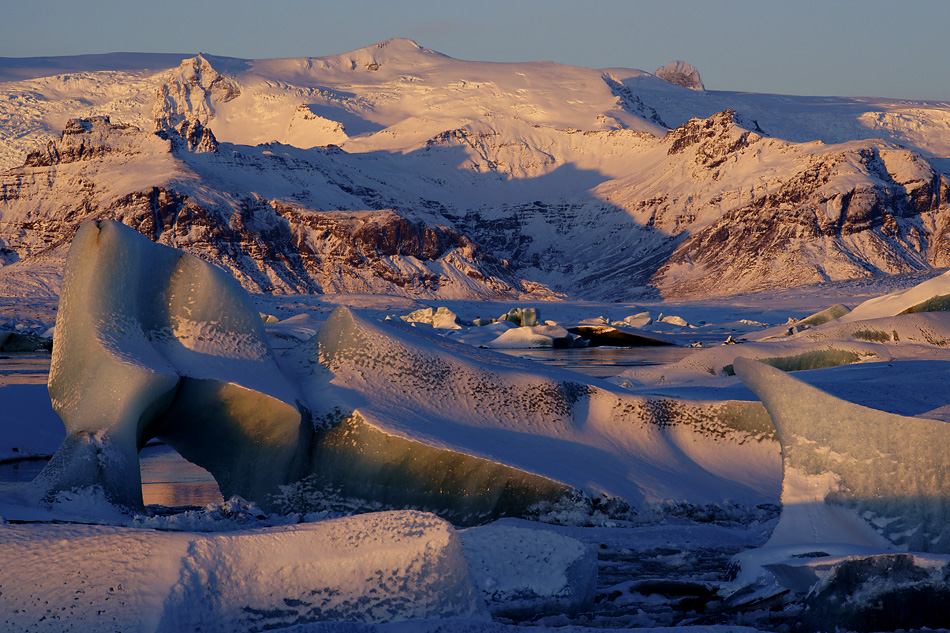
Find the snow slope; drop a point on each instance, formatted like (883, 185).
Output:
(468, 179)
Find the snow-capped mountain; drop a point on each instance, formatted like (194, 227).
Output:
(396, 169)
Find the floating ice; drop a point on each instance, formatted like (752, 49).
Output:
(931, 295)
(524, 568)
(152, 342)
(524, 317)
(440, 318)
(536, 336)
(618, 335)
(853, 474)
(413, 417)
(372, 568)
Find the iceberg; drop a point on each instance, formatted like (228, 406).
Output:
(153, 342)
(439, 318)
(373, 568)
(406, 416)
(366, 415)
(853, 474)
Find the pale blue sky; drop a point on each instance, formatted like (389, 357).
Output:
(893, 48)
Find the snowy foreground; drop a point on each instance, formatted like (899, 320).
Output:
(387, 470)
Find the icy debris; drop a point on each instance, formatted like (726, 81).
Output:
(370, 569)
(439, 318)
(268, 319)
(854, 474)
(523, 568)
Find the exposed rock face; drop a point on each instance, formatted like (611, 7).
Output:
(191, 92)
(807, 228)
(502, 206)
(269, 245)
(682, 74)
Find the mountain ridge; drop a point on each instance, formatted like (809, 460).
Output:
(469, 179)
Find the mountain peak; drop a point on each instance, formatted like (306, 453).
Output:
(682, 74)
(392, 51)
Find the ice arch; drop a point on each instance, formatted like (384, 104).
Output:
(154, 342)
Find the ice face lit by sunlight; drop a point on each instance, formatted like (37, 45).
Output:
(145, 331)
(887, 471)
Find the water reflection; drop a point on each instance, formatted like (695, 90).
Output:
(602, 361)
(169, 479)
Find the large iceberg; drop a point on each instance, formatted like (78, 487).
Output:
(365, 415)
(853, 474)
(153, 342)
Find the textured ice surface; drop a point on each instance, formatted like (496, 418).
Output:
(522, 567)
(372, 568)
(377, 415)
(152, 342)
(854, 474)
(904, 301)
(418, 416)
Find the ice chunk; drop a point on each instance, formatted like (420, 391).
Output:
(674, 320)
(854, 474)
(414, 418)
(153, 342)
(523, 568)
(641, 319)
(523, 317)
(621, 336)
(440, 318)
(793, 327)
(934, 291)
(371, 568)
(536, 336)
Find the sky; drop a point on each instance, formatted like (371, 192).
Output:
(885, 48)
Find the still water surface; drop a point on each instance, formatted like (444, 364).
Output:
(167, 478)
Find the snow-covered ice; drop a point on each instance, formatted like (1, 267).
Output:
(372, 568)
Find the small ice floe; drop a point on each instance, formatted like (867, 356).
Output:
(440, 318)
